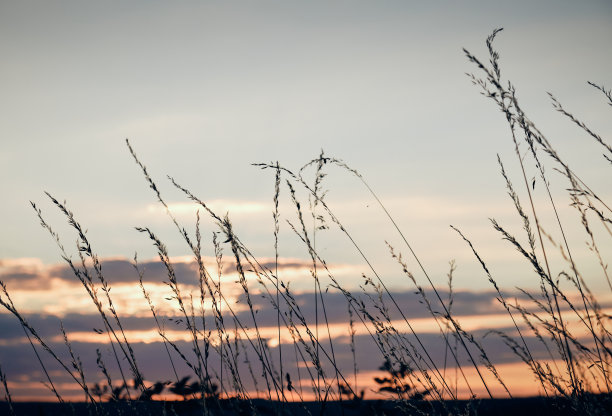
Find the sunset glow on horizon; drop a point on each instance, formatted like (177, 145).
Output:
(476, 313)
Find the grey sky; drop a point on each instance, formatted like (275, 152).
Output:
(203, 89)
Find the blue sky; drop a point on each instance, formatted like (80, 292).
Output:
(204, 89)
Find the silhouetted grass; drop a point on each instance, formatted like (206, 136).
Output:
(575, 376)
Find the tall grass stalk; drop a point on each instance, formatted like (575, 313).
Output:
(7, 392)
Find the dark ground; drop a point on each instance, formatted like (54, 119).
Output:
(592, 405)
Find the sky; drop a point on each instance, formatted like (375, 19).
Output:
(205, 89)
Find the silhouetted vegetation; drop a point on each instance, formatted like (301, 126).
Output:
(574, 377)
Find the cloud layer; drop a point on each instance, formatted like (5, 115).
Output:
(35, 288)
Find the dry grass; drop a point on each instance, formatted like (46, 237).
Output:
(577, 368)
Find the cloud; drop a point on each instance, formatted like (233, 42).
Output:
(27, 273)
(475, 311)
(465, 304)
(410, 304)
(33, 274)
(24, 372)
(63, 300)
